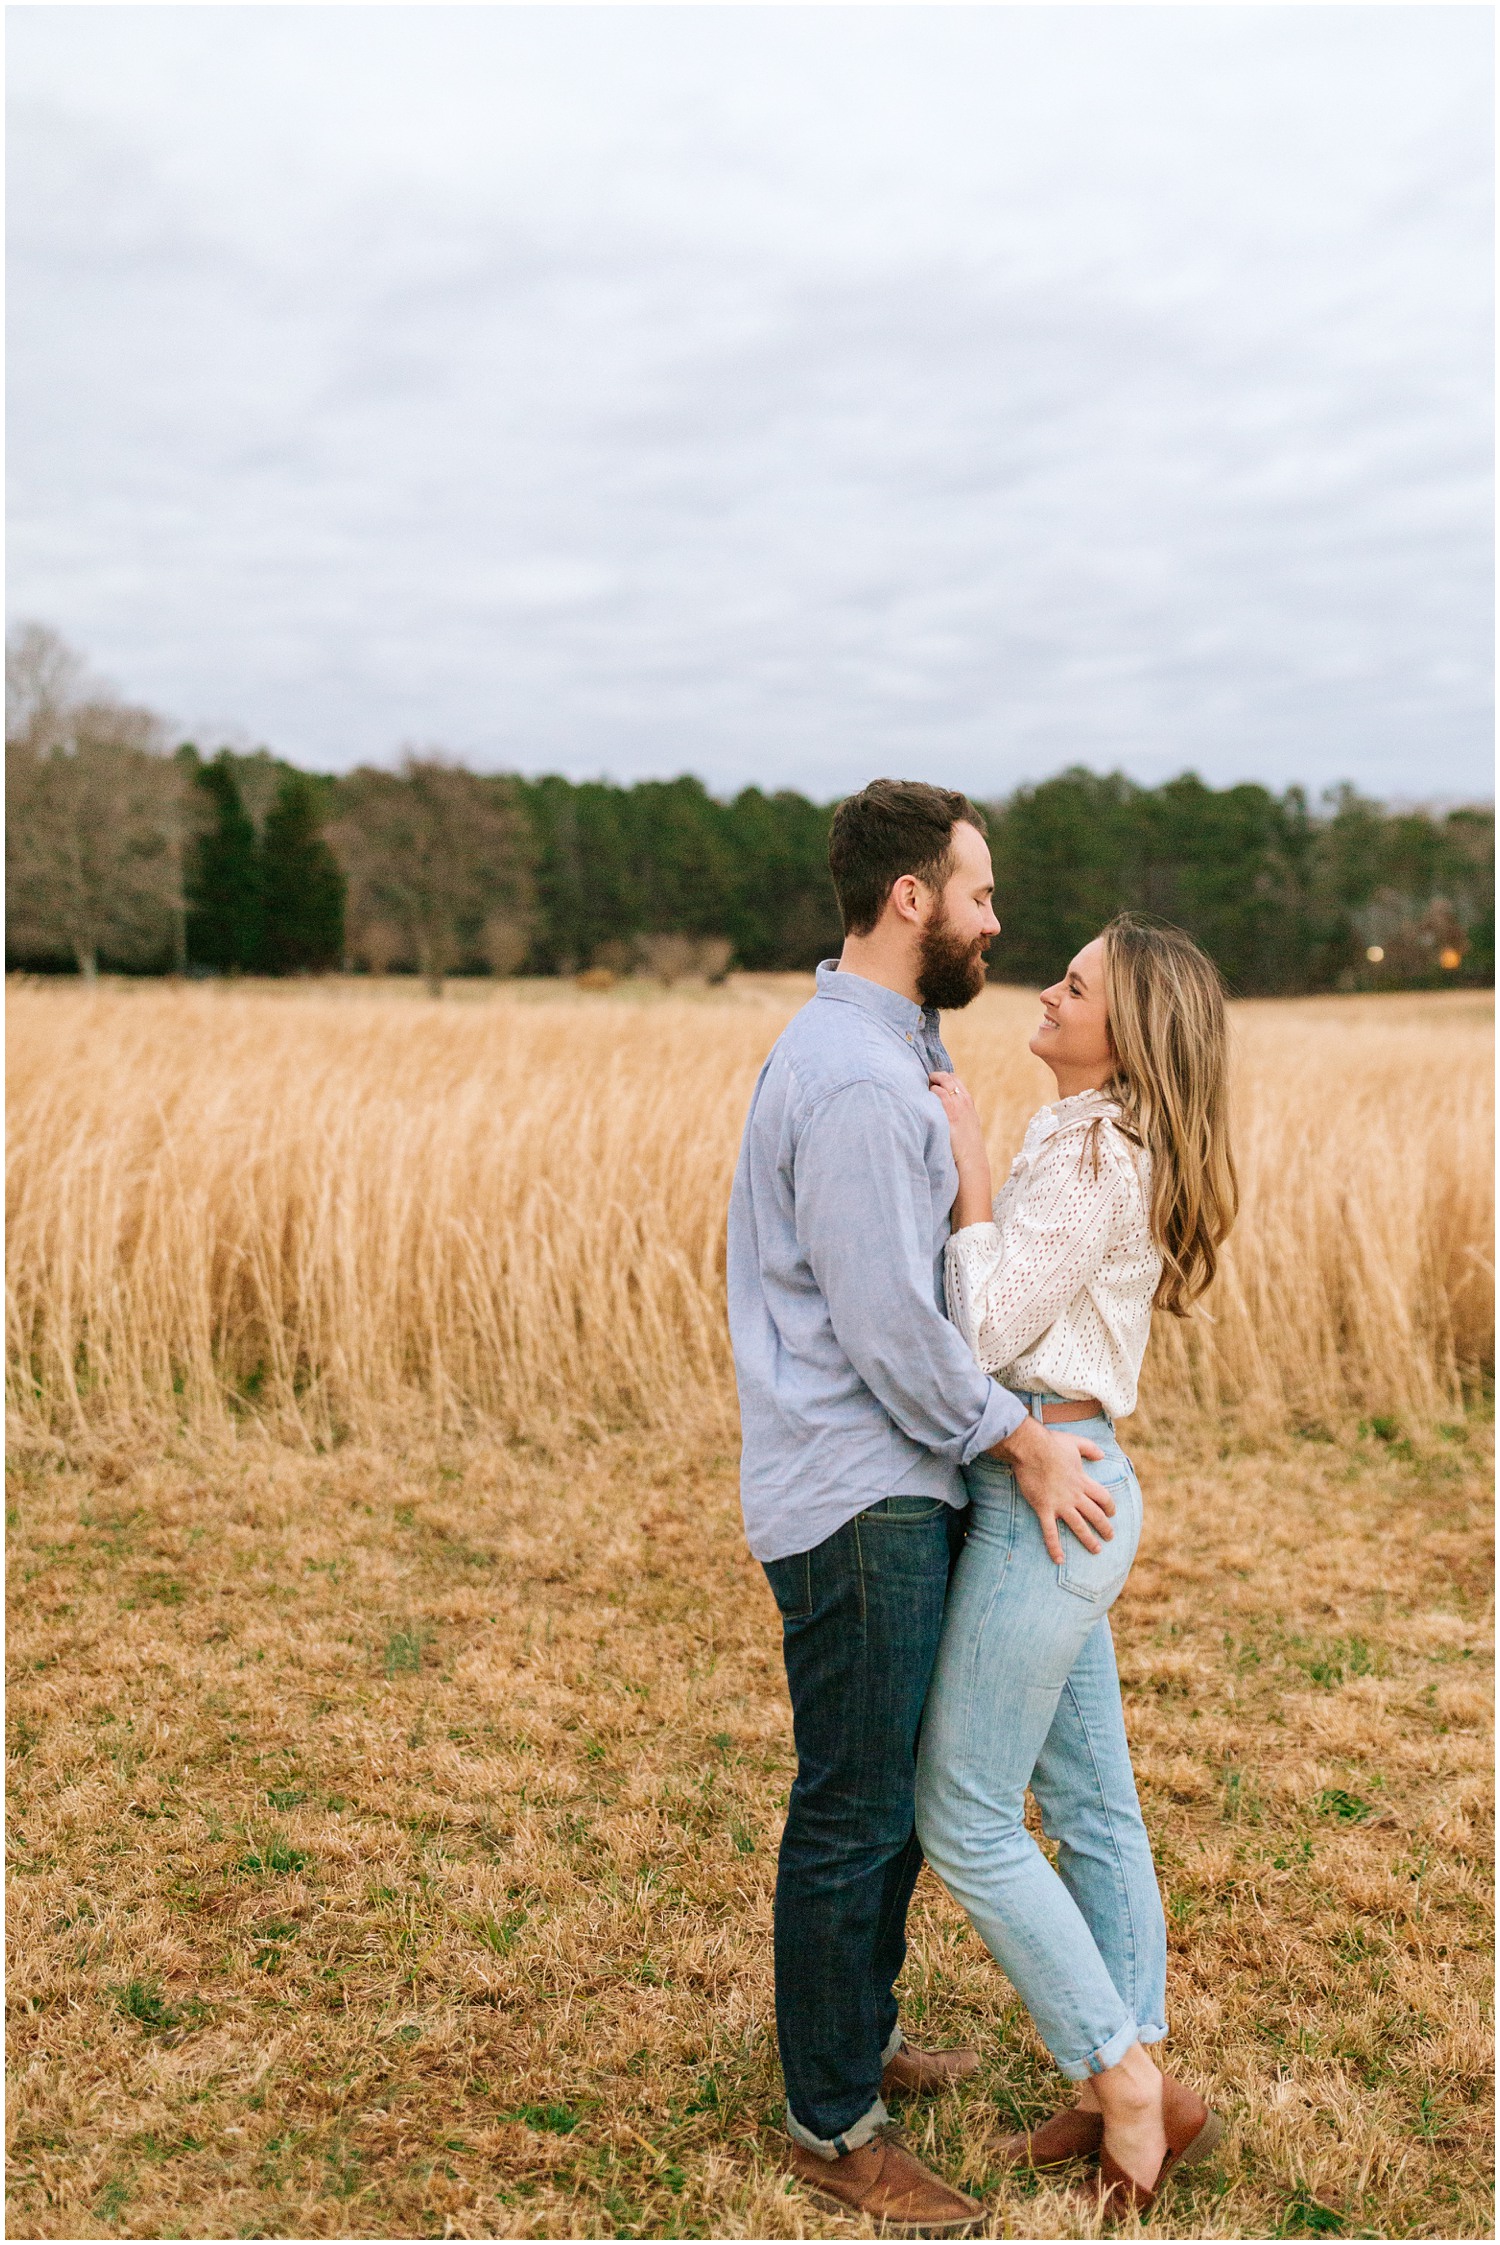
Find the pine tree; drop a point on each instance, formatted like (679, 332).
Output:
(224, 917)
(302, 884)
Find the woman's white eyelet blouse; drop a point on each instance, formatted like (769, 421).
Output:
(1057, 1291)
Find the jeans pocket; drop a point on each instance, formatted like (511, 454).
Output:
(902, 1511)
(791, 1584)
(904, 1540)
(1099, 1576)
(1094, 1575)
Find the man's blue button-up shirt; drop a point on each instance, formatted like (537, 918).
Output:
(853, 1384)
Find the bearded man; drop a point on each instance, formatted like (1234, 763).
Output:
(860, 1406)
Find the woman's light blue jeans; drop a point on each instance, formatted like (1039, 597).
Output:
(1025, 1692)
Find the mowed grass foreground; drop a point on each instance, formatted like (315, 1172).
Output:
(398, 1736)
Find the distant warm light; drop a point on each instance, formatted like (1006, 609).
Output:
(1375, 954)
(1450, 958)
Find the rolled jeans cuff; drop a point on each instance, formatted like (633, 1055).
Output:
(834, 2147)
(1108, 2054)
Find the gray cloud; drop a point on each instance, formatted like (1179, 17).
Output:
(782, 395)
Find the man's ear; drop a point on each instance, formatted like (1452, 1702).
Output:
(907, 897)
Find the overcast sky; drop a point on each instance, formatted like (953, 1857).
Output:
(785, 394)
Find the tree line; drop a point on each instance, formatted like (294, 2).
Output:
(128, 851)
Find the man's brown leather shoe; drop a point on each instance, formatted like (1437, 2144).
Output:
(922, 2073)
(1068, 2135)
(887, 2184)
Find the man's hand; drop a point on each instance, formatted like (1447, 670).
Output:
(1049, 1472)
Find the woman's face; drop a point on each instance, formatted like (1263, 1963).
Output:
(1073, 1037)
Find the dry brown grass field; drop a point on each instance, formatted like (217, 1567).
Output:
(398, 1738)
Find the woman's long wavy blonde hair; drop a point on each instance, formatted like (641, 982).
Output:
(1167, 1026)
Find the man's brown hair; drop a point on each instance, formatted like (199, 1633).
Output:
(892, 827)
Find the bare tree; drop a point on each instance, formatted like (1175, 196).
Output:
(505, 941)
(372, 944)
(672, 958)
(436, 854)
(93, 841)
(668, 957)
(616, 955)
(44, 678)
(714, 955)
(258, 777)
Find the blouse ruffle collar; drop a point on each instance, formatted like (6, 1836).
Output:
(1080, 1106)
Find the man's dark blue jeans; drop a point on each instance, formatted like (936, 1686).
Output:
(861, 1615)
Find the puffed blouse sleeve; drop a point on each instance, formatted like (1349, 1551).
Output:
(1007, 1282)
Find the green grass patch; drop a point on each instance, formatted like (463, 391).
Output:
(500, 1934)
(1347, 1807)
(276, 1859)
(548, 2120)
(144, 2002)
(404, 1651)
(1306, 2216)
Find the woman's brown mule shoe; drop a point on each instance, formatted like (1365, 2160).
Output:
(1192, 2132)
(1068, 2135)
(1075, 2134)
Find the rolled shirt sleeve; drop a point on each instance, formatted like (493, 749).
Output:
(864, 1223)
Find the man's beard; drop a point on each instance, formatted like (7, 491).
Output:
(949, 973)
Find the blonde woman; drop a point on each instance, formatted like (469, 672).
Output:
(1117, 1203)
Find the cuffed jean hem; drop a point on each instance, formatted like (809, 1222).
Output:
(863, 2130)
(868, 2124)
(1108, 2054)
(1152, 2034)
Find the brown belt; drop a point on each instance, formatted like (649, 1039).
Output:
(1059, 1414)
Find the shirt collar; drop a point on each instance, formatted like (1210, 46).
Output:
(903, 1014)
(1074, 1108)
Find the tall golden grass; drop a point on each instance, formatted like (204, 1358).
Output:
(327, 1208)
